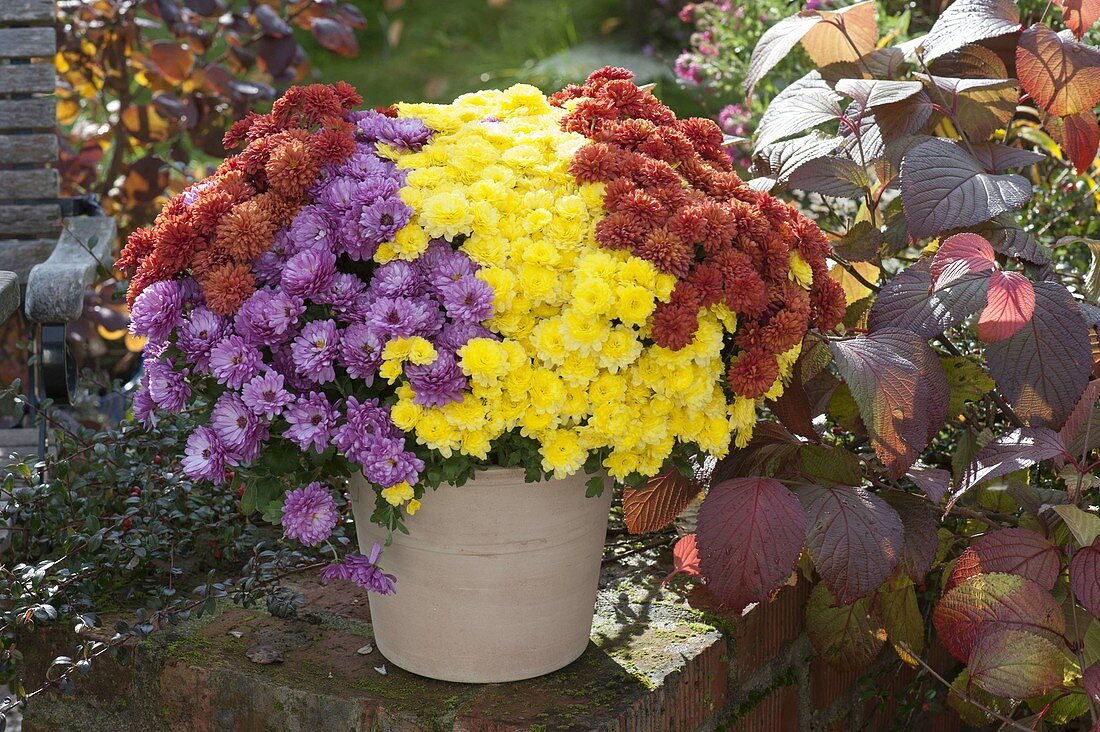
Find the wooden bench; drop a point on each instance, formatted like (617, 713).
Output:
(48, 256)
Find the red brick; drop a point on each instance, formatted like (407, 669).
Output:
(778, 712)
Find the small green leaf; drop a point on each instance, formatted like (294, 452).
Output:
(595, 487)
(1084, 526)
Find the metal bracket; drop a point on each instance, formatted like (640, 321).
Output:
(54, 366)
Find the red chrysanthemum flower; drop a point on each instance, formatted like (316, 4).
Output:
(291, 168)
(753, 373)
(674, 326)
(246, 232)
(139, 245)
(595, 162)
(668, 252)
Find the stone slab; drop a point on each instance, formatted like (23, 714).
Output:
(653, 666)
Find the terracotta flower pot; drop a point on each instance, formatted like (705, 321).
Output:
(496, 580)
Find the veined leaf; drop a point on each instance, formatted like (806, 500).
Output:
(1077, 134)
(750, 534)
(804, 104)
(1084, 577)
(921, 532)
(658, 503)
(1017, 450)
(1014, 551)
(860, 244)
(1010, 303)
(1043, 369)
(854, 537)
(897, 605)
(1007, 238)
(830, 176)
(1060, 74)
(985, 600)
(785, 157)
(933, 481)
(998, 158)
(961, 255)
(685, 558)
(969, 62)
(1015, 663)
(981, 106)
(1091, 681)
(846, 34)
(967, 21)
(907, 303)
(971, 714)
(849, 636)
(943, 187)
(776, 43)
(901, 390)
(876, 92)
(1079, 15)
(1084, 526)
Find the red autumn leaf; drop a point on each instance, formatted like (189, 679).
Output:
(1060, 74)
(685, 558)
(335, 36)
(921, 533)
(899, 385)
(933, 481)
(751, 532)
(1078, 135)
(1084, 577)
(1079, 15)
(967, 21)
(656, 504)
(171, 60)
(994, 600)
(960, 255)
(906, 302)
(1091, 681)
(1082, 414)
(1044, 367)
(1010, 303)
(1017, 450)
(1015, 551)
(854, 537)
(1015, 663)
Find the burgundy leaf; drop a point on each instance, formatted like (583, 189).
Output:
(981, 107)
(1009, 239)
(943, 187)
(1081, 415)
(1060, 74)
(997, 158)
(1078, 135)
(1015, 663)
(901, 390)
(997, 600)
(776, 43)
(933, 481)
(1084, 577)
(1079, 15)
(804, 104)
(353, 16)
(270, 22)
(685, 558)
(970, 62)
(1010, 303)
(907, 303)
(920, 531)
(771, 452)
(1091, 681)
(750, 534)
(854, 537)
(830, 176)
(961, 255)
(276, 53)
(788, 155)
(1015, 551)
(876, 92)
(335, 36)
(967, 21)
(1043, 369)
(657, 504)
(1017, 450)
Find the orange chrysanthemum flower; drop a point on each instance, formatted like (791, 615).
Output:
(246, 232)
(226, 287)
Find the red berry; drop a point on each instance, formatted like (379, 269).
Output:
(218, 554)
(127, 524)
(213, 543)
(240, 491)
(135, 491)
(157, 460)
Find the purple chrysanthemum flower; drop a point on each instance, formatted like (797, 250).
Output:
(233, 361)
(371, 190)
(343, 293)
(441, 265)
(386, 462)
(311, 421)
(468, 299)
(157, 310)
(339, 195)
(312, 227)
(314, 350)
(439, 382)
(309, 514)
(454, 336)
(145, 409)
(167, 387)
(363, 571)
(367, 423)
(381, 220)
(308, 272)
(365, 164)
(269, 265)
(348, 241)
(360, 352)
(283, 362)
(396, 317)
(239, 430)
(191, 292)
(267, 317)
(204, 456)
(404, 133)
(266, 395)
(199, 333)
(398, 279)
